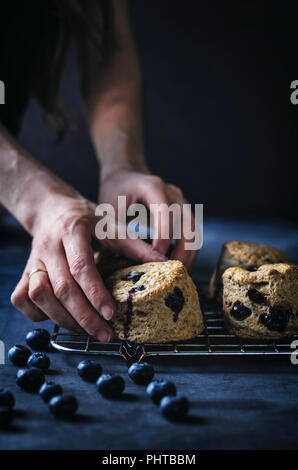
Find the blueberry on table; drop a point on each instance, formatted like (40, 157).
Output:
(63, 406)
(30, 379)
(6, 398)
(38, 339)
(19, 355)
(110, 386)
(141, 374)
(174, 407)
(89, 370)
(6, 415)
(49, 390)
(158, 389)
(39, 360)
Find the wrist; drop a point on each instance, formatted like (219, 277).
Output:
(43, 201)
(111, 169)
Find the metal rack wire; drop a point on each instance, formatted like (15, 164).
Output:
(214, 341)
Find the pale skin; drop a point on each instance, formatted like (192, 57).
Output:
(62, 222)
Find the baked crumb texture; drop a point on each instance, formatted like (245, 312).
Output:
(156, 303)
(247, 255)
(261, 304)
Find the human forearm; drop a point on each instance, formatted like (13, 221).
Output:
(116, 122)
(25, 185)
(114, 111)
(117, 139)
(114, 104)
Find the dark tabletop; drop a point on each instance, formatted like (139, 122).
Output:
(237, 403)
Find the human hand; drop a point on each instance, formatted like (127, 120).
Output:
(150, 189)
(70, 291)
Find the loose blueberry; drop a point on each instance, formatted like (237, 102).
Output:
(175, 301)
(174, 408)
(38, 339)
(275, 320)
(39, 360)
(6, 415)
(6, 398)
(19, 355)
(49, 390)
(110, 386)
(30, 379)
(158, 389)
(89, 370)
(63, 406)
(256, 296)
(239, 311)
(141, 374)
(133, 276)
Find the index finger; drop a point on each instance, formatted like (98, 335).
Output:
(77, 246)
(72, 298)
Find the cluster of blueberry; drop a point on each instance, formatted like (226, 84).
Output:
(275, 320)
(32, 379)
(110, 386)
(161, 392)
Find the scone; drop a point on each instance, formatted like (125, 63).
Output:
(247, 255)
(261, 304)
(156, 303)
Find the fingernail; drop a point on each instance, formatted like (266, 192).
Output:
(107, 312)
(104, 336)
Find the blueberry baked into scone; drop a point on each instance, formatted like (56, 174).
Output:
(156, 303)
(263, 303)
(247, 255)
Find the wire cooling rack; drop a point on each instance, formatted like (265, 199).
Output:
(214, 341)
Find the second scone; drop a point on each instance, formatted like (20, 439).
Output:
(156, 303)
(261, 304)
(246, 255)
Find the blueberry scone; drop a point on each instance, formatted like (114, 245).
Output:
(262, 303)
(156, 303)
(247, 255)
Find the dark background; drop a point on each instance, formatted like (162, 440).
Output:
(220, 124)
(218, 117)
